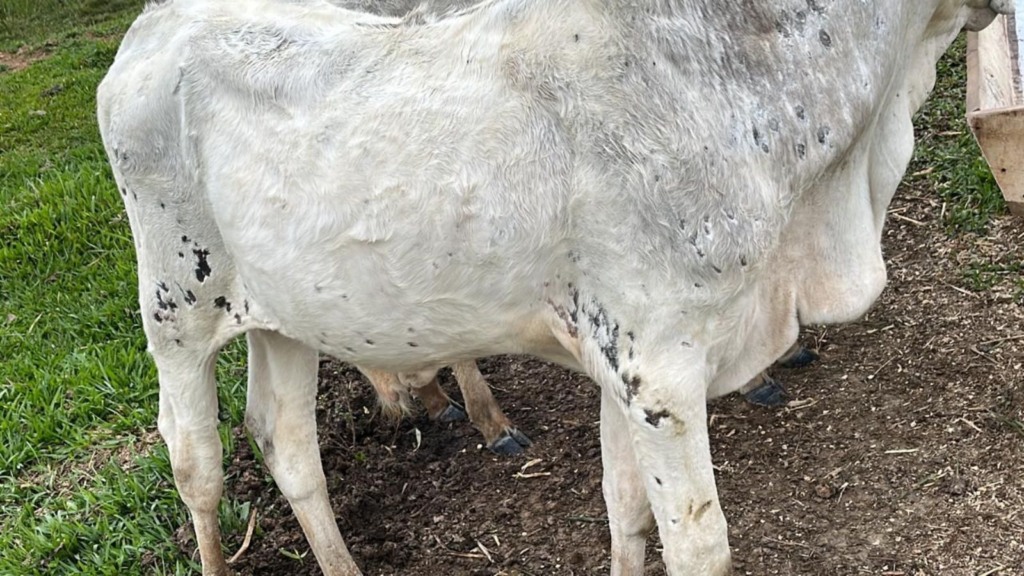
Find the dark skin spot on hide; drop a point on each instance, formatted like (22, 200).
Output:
(158, 317)
(162, 286)
(800, 112)
(162, 206)
(412, 344)
(124, 191)
(222, 302)
(801, 150)
(698, 249)
(575, 310)
(238, 319)
(134, 195)
(245, 306)
(800, 17)
(370, 342)
(696, 515)
(824, 38)
(658, 480)
(632, 385)
(202, 265)
(162, 304)
(816, 6)
(610, 349)
(655, 418)
(575, 37)
(190, 297)
(178, 342)
(823, 133)
(181, 254)
(184, 239)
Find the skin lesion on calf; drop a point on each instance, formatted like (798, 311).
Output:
(695, 513)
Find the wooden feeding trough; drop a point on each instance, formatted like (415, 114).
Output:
(995, 102)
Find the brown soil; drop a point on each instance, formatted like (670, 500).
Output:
(15, 61)
(903, 453)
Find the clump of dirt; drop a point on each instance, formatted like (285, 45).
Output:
(23, 58)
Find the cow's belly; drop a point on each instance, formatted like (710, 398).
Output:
(387, 282)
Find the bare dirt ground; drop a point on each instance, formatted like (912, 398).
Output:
(902, 453)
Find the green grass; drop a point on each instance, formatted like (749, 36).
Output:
(76, 385)
(34, 23)
(80, 493)
(947, 151)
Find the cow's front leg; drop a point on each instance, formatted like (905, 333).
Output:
(666, 420)
(629, 512)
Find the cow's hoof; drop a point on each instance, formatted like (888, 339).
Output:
(510, 443)
(800, 358)
(452, 414)
(770, 393)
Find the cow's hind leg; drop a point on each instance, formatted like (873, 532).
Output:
(188, 423)
(281, 415)
(484, 412)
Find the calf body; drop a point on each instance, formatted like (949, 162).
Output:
(655, 192)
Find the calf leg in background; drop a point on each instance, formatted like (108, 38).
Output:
(392, 395)
(425, 386)
(797, 357)
(763, 390)
(501, 435)
(280, 413)
(188, 423)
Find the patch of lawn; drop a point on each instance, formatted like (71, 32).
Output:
(79, 492)
(948, 154)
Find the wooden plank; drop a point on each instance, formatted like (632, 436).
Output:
(1000, 134)
(995, 65)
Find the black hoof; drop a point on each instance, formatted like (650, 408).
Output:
(510, 443)
(770, 393)
(452, 414)
(799, 359)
